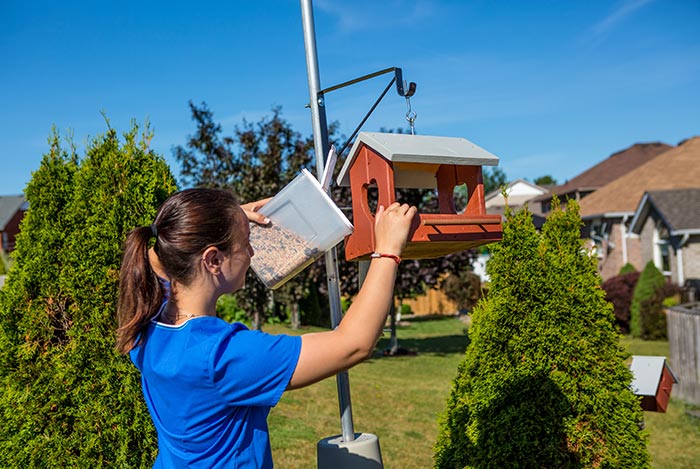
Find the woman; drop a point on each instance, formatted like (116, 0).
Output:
(208, 384)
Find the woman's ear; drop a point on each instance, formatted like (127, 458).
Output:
(212, 259)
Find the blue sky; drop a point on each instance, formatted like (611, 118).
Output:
(551, 87)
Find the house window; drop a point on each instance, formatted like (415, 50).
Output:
(662, 249)
(598, 234)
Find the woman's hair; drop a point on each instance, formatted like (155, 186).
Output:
(186, 224)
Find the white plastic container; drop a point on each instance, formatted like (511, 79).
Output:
(304, 224)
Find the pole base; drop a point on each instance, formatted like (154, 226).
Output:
(361, 453)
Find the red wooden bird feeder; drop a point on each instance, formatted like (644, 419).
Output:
(390, 161)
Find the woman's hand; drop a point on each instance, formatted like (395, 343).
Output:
(391, 228)
(251, 211)
(324, 354)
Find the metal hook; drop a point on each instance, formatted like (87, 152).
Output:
(411, 115)
(401, 84)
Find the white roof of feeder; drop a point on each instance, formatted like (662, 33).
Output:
(405, 148)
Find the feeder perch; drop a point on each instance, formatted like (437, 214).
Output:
(653, 381)
(391, 161)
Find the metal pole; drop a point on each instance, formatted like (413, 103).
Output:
(321, 147)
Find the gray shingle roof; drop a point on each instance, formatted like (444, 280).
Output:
(679, 208)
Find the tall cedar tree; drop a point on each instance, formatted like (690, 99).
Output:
(543, 382)
(647, 319)
(69, 400)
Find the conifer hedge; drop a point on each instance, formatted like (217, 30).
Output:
(68, 399)
(647, 319)
(544, 381)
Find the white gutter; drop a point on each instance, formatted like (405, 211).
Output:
(607, 215)
(685, 233)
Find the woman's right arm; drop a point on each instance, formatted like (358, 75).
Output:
(325, 354)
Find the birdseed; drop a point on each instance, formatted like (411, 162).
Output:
(279, 254)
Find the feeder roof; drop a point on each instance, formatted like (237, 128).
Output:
(427, 149)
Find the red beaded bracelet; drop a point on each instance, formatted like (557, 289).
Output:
(377, 255)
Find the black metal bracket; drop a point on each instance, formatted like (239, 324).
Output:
(398, 78)
(400, 89)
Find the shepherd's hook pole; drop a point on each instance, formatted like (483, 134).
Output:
(321, 147)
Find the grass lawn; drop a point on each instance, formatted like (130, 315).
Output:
(399, 400)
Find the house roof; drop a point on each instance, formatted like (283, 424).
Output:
(678, 168)
(9, 205)
(678, 208)
(405, 148)
(538, 219)
(611, 168)
(519, 192)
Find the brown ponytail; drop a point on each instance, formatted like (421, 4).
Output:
(140, 292)
(187, 223)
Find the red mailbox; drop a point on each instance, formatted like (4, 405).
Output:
(390, 161)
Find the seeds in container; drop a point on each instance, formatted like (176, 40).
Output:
(279, 254)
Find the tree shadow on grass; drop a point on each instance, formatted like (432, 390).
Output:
(441, 345)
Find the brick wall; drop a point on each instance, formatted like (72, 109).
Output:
(613, 259)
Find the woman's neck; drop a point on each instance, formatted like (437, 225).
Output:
(190, 302)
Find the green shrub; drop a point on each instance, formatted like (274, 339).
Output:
(463, 288)
(618, 291)
(647, 319)
(227, 309)
(627, 269)
(544, 381)
(69, 400)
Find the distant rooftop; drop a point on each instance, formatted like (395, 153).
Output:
(613, 167)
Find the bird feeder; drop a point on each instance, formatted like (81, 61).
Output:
(653, 381)
(391, 161)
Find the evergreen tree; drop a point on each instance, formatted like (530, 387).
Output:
(69, 400)
(647, 319)
(543, 382)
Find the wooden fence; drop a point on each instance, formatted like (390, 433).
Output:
(433, 302)
(684, 349)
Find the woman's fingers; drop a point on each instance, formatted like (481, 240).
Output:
(251, 211)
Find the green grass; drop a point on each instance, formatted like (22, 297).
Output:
(400, 398)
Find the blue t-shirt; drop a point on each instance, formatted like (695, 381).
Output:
(209, 386)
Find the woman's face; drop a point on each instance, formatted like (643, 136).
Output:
(236, 263)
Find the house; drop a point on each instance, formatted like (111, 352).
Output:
(616, 165)
(608, 211)
(12, 209)
(518, 193)
(668, 225)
